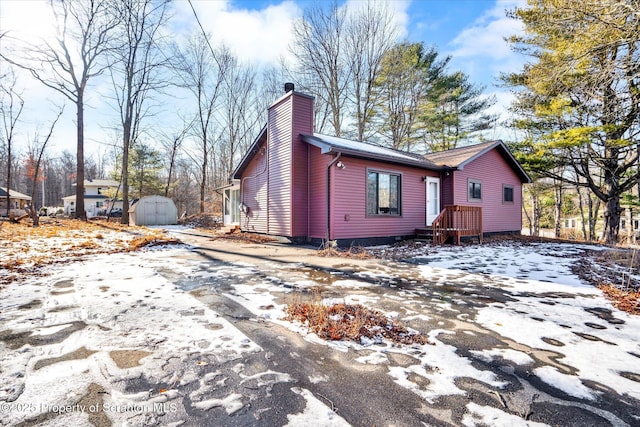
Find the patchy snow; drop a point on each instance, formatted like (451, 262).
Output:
(478, 415)
(515, 356)
(441, 366)
(77, 317)
(93, 308)
(534, 263)
(570, 384)
(231, 403)
(315, 413)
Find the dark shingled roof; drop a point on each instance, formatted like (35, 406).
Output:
(332, 144)
(13, 194)
(458, 158)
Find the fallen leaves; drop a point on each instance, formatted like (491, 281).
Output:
(351, 322)
(25, 248)
(626, 300)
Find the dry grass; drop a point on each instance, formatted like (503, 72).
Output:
(356, 252)
(341, 322)
(615, 272)
(244, 237)
(26, 248)
(202, 221)
(151, 240)
(626, 300)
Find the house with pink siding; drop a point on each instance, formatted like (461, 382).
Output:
(310, 187)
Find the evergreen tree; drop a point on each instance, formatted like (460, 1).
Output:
(580, 97)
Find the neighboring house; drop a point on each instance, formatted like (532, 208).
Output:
(96, 194)
(312, 187)
(574, 228)
(17, 202)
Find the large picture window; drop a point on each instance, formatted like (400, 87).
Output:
(383, 193)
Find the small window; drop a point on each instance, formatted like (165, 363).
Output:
(475, 190)
(507, 194)
(99, 204)
(383, 193)
(635, 224)
(99, 190)
(623, 224)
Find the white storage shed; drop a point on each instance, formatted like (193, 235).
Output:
(153, 210)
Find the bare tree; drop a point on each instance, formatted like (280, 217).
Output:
(239, 121)
(319, 48)
(172, 144)
(11, 105)
(202, 72)
(35, 158)
(135, 72)
(370, 33)
(67, 63)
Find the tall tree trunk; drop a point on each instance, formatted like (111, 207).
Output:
(171, 163)
(528, 217)
(80, 212)
(8, 177)
(125, 172)
(203, 183)
(594, 209)
(612, 213)
(536, 215)
(558, 207)
(583, 219)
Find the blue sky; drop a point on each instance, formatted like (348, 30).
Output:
(471, 31)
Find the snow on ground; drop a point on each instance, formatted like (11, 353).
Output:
(534, 262)
(81, 319)
(549, 309)
(549, 312)
(86, 314)
(315, 413)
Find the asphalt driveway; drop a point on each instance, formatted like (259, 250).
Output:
(196, 336)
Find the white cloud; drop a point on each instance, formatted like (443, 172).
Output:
(480, 50)
(485, 37)
(30, 20)
(260, 36)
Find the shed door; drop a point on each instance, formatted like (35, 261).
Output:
(433, 199)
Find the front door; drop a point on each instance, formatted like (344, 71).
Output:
(433, 199)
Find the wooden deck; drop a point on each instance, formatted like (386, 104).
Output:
(455, 221)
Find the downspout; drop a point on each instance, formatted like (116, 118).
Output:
(333, 162)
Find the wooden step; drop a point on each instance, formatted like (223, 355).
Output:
(424, 234)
